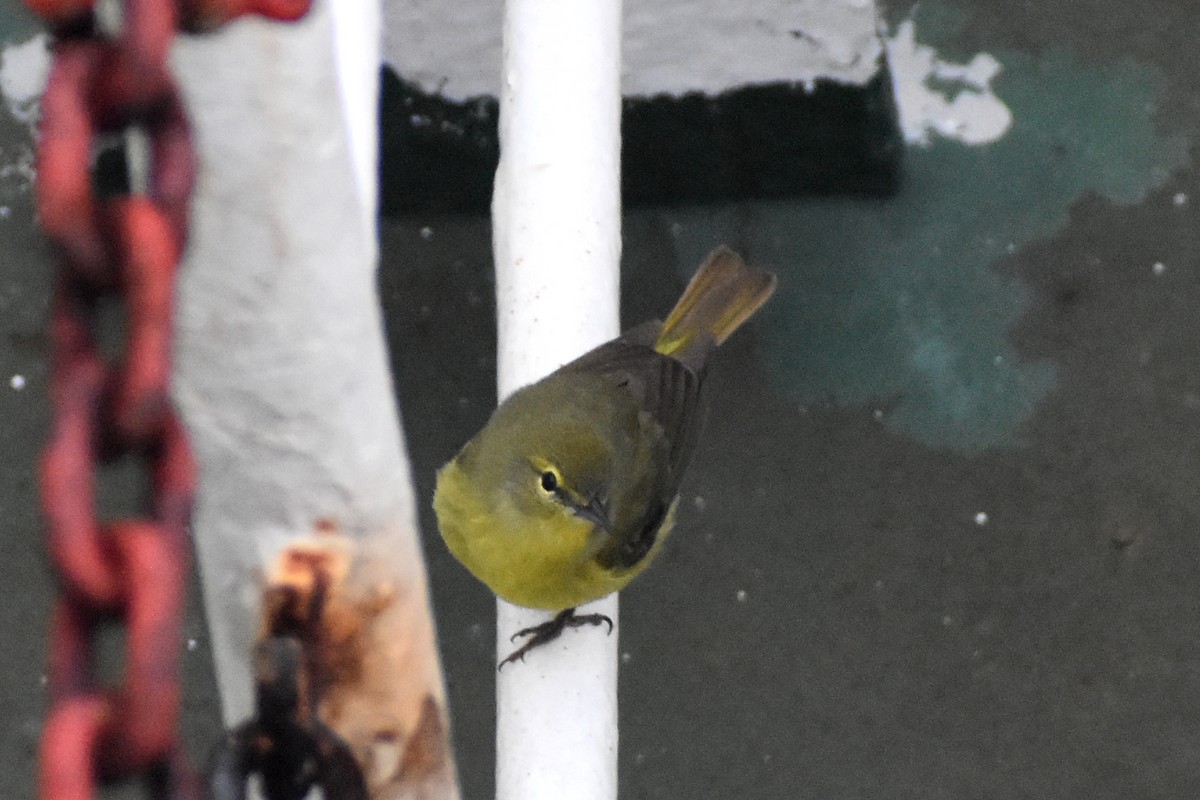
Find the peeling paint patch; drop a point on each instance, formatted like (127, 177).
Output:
(953, 101)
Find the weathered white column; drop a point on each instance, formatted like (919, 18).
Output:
(556, 215)
(283, 378)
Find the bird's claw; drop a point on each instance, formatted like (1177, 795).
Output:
(591, 619)
(550, 630)
(523, 632)
(518, 655)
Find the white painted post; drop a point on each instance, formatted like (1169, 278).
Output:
(283, 378)
(556, 217)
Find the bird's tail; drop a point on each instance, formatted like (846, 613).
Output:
(723, 294)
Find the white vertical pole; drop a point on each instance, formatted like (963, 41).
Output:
(556, 214)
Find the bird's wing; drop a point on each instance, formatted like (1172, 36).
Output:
(660, 385)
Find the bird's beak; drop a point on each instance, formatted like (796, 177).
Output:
(595, 511)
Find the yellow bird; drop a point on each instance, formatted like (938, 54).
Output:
(568, 491)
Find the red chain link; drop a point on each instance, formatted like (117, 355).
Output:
(132, 570)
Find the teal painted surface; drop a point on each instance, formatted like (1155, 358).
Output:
(898, 303)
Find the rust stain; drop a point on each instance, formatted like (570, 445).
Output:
(306, 597)
(370, 658)
(426, 753)
(324, 526)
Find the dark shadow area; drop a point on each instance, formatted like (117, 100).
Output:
(440, 154)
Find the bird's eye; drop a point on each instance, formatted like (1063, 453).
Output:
(549, 481)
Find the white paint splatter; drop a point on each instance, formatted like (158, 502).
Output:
(981, 518)
(960, 105)
(24, 68)
(23, 71)
(17, 167)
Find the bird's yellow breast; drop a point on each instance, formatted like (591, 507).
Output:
(538, 561)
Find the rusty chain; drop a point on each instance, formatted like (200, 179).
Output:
(128, 571)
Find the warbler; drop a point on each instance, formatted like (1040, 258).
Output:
(568, 491)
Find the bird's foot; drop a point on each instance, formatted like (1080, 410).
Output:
(551, 630)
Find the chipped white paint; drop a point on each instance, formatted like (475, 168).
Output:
(964, 109)
(670, 46)
(23, 71)
(712, 45)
